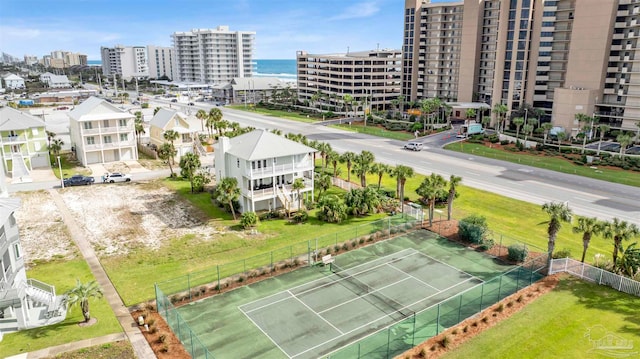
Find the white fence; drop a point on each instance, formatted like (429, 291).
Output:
(596, 275)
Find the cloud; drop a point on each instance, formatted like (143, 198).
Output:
(357, 11)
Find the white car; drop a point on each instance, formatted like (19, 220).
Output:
(116, 177)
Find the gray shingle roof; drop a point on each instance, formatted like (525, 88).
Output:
(12, 119)
(162, 117)
(8, 205)
(95, 108)
(262, 144)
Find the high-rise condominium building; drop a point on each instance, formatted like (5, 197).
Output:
(213, 55)
(562, 56)
(162, 62)
(125, 61)
(371, 78)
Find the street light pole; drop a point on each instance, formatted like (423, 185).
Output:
(60, 169)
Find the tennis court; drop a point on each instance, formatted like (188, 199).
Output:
(362, 305)
(351, 303)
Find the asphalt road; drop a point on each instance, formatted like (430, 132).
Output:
(587, 197)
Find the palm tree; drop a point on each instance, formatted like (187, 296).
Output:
(527, 129)
(362, 166)
(56, 146)
(228, 192)
(167, 152)
(189, 163)
(547, 126)
(561, 137)
(470, 113)
(500, 110)
(587, 124)
(138, 127)
(619, 231)
(624, 140)
(155, 110)
(348, 100)
(50, 137)
(298, 184)
(432, 188)
(454, 181)
(518, 121)
(171, 136)
(558, 213)
(322, 182)
(348, 158)
(81, 294)
(324, 148)
(401, 103)
(401, 173)
(215, 117)
(603, 128)
(588, 227)
(380, 169)
(201, 115)
(333, 158)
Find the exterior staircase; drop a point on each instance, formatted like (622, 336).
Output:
(286, 198)
(38, 295)
(19, 170)
(199, 149)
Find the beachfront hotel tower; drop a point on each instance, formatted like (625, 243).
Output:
(562, 56)
(213, 56)
(162, 62)
(124, 61)
(371, 78)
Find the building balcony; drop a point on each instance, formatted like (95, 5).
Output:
(109, 146)
(280, 169)
(14, 139)
(271, 191)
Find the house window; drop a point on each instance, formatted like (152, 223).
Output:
(37, 146)
(238, 163)
(91, 140)
(122, 122)
(124, 137)
(106, 139)
(17, 251)
(275, 160)
(105, 123)
(87, 125)
(35, 131)
(12, 220)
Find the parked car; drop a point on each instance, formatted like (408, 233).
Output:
(78, 180)
(414, 146)
(191, 104)
(116, 177)
(174, 100)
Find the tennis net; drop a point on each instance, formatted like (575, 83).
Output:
(367, 292)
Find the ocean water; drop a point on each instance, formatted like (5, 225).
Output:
(282, 69)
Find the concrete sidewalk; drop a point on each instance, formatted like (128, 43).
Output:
(130, 327)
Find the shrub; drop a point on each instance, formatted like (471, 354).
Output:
(248, 220)
(473, 228)
(301, 216)
(504, 142)
(445, 341)
(563, 253)
(162, 337)
(486, 244)
(517, 252)
(500, 308)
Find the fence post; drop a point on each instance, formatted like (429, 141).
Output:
(388, 340)
(218, 271)
(600, 280)
(413, 334)
(500, 286)
(582, 271)
(518, 278)
(459, 307)
(189, 284)
(481, 296)
(438, 321)
(309, 253)
(620, 285)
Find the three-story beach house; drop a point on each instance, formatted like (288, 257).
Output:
(266, 166)
(101, 132)
(23, 144)
(165, 120)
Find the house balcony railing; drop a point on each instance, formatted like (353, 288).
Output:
(270, 192)
(113, 129)
(281, 169)
(16, 138)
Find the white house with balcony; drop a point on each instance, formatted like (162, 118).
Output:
(265, 165)
(13, 82)
(24, 303)
(165, 120)
(23, 144)
(55, 81)
(101, 132)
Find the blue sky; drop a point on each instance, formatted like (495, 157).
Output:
(37, 27)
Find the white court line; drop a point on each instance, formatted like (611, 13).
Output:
(317, 314)
(362, 296)
(395, 322)
(450, 266)
(265, 333)
(401, 271)
(327, 284)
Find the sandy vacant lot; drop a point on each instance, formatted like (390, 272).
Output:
(115, 217)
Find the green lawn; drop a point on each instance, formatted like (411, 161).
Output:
(376, 131)
(134, 274)
(294, 116)
(562, 324)
(551, 163)
(62, 274)
(69, 168)
(510, 220)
